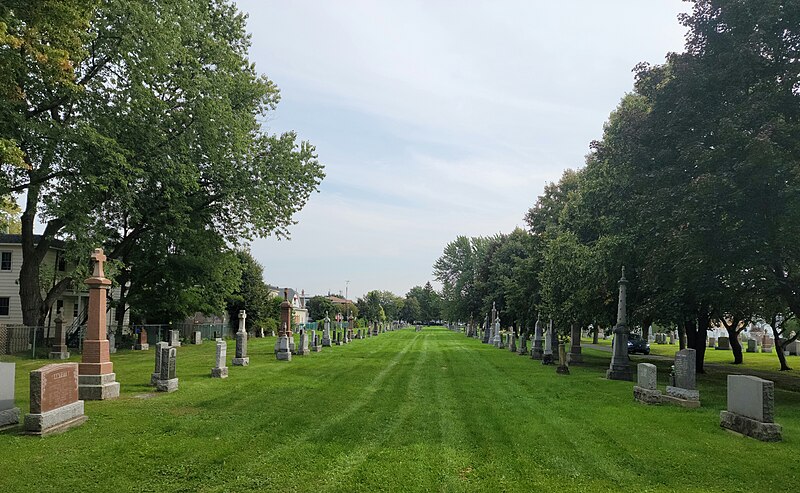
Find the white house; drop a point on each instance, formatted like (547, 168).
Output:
(73, 301)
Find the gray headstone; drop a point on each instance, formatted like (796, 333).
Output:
(241, 344)
(7, 385)
(752, 397)
(168, 357)
(646, 375)
(723, 343)
(222, 353)
(685, 368)
(160, 346)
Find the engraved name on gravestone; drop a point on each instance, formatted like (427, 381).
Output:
(54, 399)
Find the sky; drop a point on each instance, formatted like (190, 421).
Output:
(436, 119)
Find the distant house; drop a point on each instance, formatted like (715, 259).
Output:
(73, 301)
(298, 301)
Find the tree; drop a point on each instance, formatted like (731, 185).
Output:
(411, 311)
(318, 306)
(252, 294)
(150, 117)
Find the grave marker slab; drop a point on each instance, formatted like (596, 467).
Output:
(9, 413)
(197, 337)
(241, 358)
(220, 370)
(751, 408)
(168, 381)
(54, 400)
(156, 375)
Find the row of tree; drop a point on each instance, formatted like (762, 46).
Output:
(137, 126)
(694, 188)
(421, 303)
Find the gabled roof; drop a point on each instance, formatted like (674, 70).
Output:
(10, 239)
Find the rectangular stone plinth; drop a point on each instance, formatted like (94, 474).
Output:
(154, 377)
(170, 385)
(574, 358)
(303, 352)
(219, 372)
(283, 356)
(96, 368)
(98, 387)
(766, 432)
(56, 420)
(95, 352)
(677, 401)
(59, 355)
(646, 396)
(240, 361)
(619, 374)
(316, 349)
(646, 374)
(9, 417)
(141, 347)
(681, 393)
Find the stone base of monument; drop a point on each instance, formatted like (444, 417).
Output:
(537, 353)
(766, 349)
(141, 347)
(574, 358)
(98, 387)
(302, 352)
(55, 421)
(619, 374)
(240, 361)
(154, 378)
(682, 397)
(547, 359)
(766, 432)
(562, 370)
(316, 349)
(282, 352)
(59, 355)
(219, 372)
(646, 396)
(170, 385)
(9, 417)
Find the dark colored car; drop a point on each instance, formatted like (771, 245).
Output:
(638, 345)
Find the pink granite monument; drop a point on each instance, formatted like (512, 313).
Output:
(97, 380)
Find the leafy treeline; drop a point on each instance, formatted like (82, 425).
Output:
(694, 188)
(137, 126)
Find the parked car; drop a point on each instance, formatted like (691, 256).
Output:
(638, 345)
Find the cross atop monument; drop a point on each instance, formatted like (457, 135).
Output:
(285, 294)
(99, 258)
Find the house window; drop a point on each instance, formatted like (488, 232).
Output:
(4, 305)
(62, 264)
(75, 309)
(5, 261)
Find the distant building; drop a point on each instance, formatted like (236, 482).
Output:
(73, 301)
(298, 301)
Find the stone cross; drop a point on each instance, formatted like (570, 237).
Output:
(99, 259)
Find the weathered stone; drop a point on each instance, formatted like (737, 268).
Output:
(197, 337)
(752, 346)
(575, 357)
(766, 432)
(681, 393)
(156, 375)
(282, 349)
(712, 342)
(647, 396)
(685, 369)
(175, 338)
(646, 376)
(620, 369)
(59, 350)
(220, 370)
(723, 344)
(168, 381)
(141, 342)
(9, 413)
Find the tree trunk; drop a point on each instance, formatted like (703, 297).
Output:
(596, 333)
(703, 320)
(681, 337)
(779, 348)
(646, 328)
(736, 346)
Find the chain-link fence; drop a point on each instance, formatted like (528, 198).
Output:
(36, 342)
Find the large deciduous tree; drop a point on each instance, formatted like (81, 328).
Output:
(121, 118)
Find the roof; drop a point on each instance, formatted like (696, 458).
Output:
(9, 239)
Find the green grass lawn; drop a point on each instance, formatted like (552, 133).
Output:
(404, 411)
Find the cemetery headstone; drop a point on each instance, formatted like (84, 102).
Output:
(302, 348)
(220, 370)
(793, 348)
(55, 406)
(523, 343)
(96, 378)
(619, 369)
(766, 344)
(751, 408)
(537, 351)
(9, 413)
(315, 343)
(547, 357)
(59, 350)
(156, 375)
(282, 350)
(112, 342)
(141, 342)
(683, 390)
(168, 380)
(575, 356)
(175, 338)
(512, 341)
(646, 390)
(712, 342)
(326, 332)
(241, 358)
(723, 344)
(197, 337)
(752, 346)
(562, 368)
